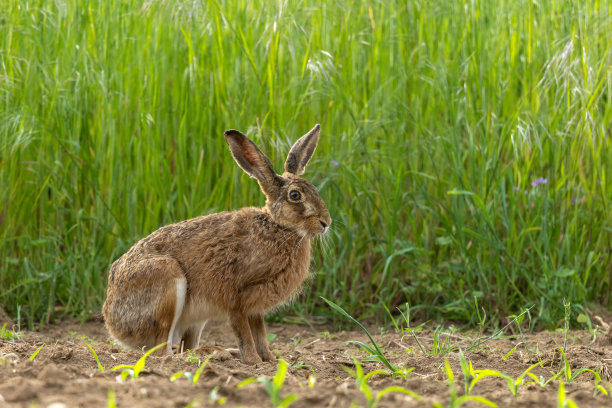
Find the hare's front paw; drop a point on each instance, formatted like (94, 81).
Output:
(251, 358)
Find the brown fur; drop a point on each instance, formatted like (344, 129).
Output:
(237, 264)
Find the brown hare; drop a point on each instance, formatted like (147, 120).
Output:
(236, 264)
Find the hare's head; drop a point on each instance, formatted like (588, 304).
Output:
(292, 201)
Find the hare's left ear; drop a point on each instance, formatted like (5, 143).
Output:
(302, 151)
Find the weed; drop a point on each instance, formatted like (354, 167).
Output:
(192, 357)
(274, 386)
(9, 335)
(193, 378)
(374, 350)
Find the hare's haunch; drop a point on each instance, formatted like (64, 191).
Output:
(236, 264)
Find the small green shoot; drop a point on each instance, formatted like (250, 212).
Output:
(135, 370)
(361, 380)
(112, 400)
(455, 399)
(374, 350)
(300, 364)
(213, 396)
(95, 357)
(33, 356)
(562, 400)
(566, 370)
(9, 335)
(193, 378)
(274, 387)
(192, 357)
(513, 384)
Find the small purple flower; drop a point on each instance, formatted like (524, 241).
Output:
(526, 192)
(599, 182)
(335, 163)
(538, 181)
(516, 188)
(574, 200)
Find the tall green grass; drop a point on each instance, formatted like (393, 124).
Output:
(437, 117)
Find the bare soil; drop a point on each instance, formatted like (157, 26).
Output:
(64, 372)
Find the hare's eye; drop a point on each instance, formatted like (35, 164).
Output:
(295, 195)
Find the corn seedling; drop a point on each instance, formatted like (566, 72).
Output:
(33, 356)
(100, 367)
(193, 378)
(455, 399)
(562, 400)
(112, 400)
(361, 380)
(513, 384)
(213, 396)
(135, 370)
(273, 387)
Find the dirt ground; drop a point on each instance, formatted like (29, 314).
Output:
(65, 374)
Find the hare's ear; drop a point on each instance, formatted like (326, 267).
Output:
(251, 159)
(302, 151)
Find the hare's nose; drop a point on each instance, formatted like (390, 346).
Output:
(325, 226)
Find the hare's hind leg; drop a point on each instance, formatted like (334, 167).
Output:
(145, 301)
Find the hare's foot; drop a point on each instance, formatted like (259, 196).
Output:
(258, 329)
(246, 344)
(219, 353)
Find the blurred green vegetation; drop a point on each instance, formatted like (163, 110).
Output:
(465, 150)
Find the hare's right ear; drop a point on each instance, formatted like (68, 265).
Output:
(251, 159)
(302, 151)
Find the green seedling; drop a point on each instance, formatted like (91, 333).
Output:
(442, 346)
(566, 369)
(33, 356)
(455, 399)
(213, 396)
(112, 400)
(192, 357)
(361, 380)
(374, 350)
(95, 357)
(273, 387)
(327, 335)
(482, 340)
(135, 370)
(562, 400)
(300, 364)
(193, 378)
(513, 384)
(9, 335)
